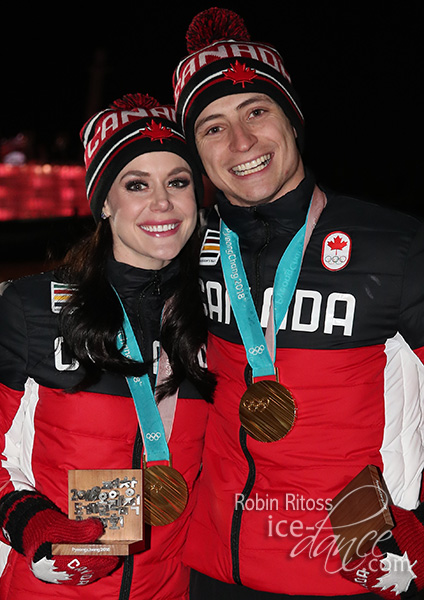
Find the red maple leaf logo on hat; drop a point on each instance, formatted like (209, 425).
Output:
(337, 244)
(239, 73)
(157, 132)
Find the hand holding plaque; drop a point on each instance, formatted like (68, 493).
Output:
(360, 514)
(116, 498)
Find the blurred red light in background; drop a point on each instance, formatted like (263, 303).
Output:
(42, 191)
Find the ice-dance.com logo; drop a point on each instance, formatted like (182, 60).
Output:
(315, 539)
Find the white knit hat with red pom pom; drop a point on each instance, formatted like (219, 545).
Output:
(132, 125)
(223, 61)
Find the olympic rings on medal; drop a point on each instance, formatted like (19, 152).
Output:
(153, 437)
(256, 404)
(255, 350)
(155, 487)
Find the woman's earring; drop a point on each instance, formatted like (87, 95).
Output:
(103, 216)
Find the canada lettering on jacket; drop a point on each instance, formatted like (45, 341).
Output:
(337, 309)
(63, 361)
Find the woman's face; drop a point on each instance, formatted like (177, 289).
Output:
(152, 210)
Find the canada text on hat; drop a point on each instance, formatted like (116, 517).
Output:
(131, 126)
(223, 61)
(113, 121)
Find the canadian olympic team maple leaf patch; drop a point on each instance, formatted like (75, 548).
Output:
(336, 250)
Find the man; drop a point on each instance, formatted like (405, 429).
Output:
(316, 306)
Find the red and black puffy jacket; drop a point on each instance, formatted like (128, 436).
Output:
(46, 431)
(350, 350)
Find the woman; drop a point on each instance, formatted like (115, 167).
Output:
(68, 370)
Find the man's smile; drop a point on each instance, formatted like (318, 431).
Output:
(253, 166)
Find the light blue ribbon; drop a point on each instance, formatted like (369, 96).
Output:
(154, 438)
(285, 281)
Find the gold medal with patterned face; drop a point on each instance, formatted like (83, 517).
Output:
(267, 411)
(165, 494)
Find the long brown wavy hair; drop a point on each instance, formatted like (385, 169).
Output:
(90, 328)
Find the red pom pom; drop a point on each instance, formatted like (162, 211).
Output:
(213, 25)
(130, 101)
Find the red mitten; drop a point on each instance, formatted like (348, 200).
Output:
(394, 569)
(31, 523)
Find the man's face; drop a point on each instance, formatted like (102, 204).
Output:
(248, 148)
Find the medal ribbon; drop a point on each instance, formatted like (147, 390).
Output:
(260, 349)
(148, 413)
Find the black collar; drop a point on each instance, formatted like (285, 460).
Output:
(130, 281)
(287, 213)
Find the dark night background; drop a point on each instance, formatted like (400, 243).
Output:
(358, 68)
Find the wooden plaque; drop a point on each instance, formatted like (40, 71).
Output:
(116, 497)
(361, 514)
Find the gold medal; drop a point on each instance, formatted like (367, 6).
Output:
(165, 494)
(267, 411)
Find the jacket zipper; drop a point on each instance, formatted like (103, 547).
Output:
(251, 476)
(155, 284)
(238, 510)
(128, 569)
